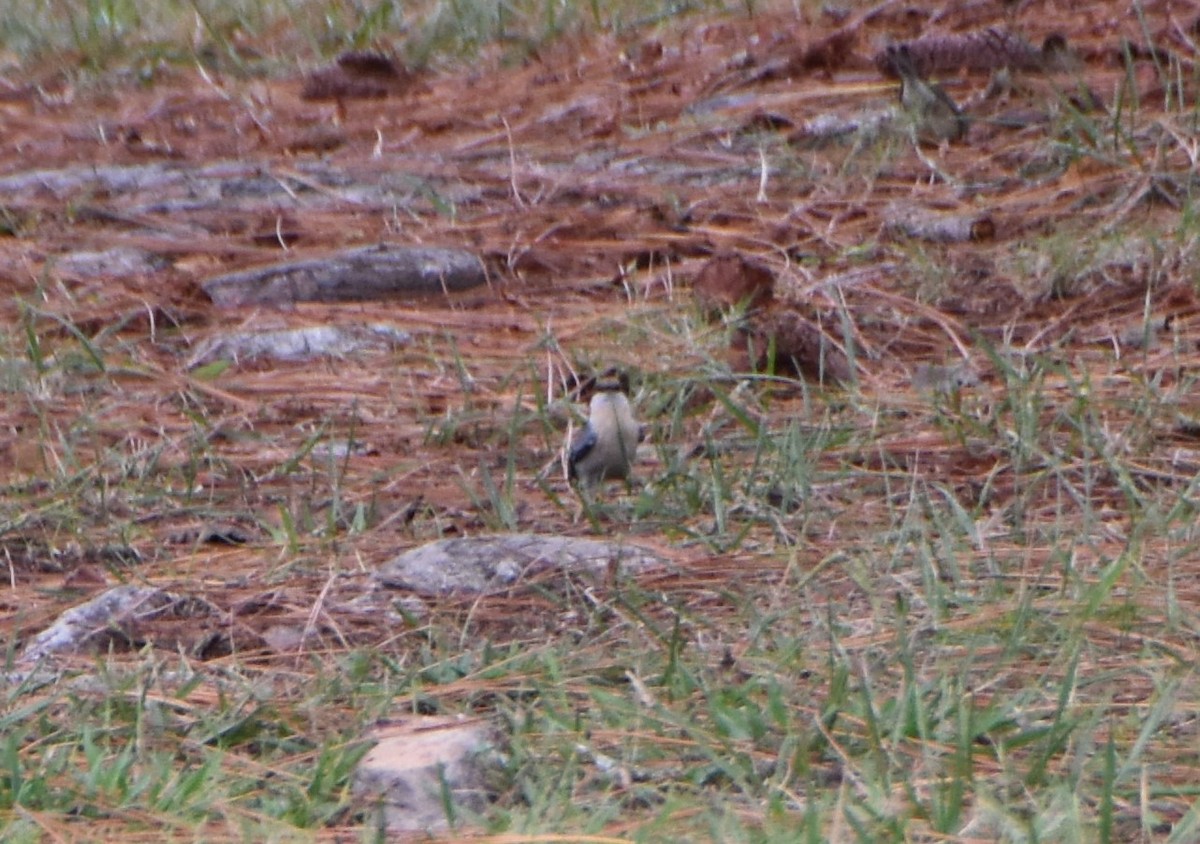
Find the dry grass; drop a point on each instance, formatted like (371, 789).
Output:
(896, 614)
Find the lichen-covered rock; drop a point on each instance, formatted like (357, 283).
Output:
(486, 564)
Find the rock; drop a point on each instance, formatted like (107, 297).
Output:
(418, 762)
(120, 261)
(489, 564)
(355, 275)
(121, 615)
(299, 343)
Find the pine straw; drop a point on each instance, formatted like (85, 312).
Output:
(599, 185)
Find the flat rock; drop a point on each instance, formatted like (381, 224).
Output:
(300, 343)
(121, 614)
(116, 262)
(488, 564)
(355, 275)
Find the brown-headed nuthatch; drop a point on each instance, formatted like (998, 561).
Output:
(936, 118)
(606, 447)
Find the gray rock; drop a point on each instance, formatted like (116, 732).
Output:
(300, 343)
(417, 762)
(120, 261)
(355, 275)
(120, 612)
(488, 564)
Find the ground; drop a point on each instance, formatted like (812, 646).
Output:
(1014, 448)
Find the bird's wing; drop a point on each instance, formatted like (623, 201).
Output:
(580, 448)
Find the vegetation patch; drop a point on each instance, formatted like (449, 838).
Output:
(923, 491)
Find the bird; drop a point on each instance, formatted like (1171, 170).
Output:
(935, 116)
(606, 447)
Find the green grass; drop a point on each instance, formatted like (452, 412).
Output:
(967, 614)
(254, 37)
(924, 680)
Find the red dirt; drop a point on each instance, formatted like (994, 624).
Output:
(596, 178)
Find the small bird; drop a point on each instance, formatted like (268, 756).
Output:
(935, 116)
(605, 448)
